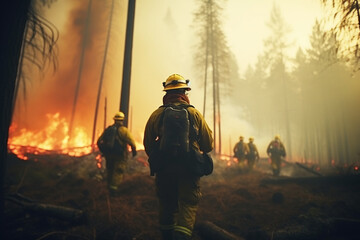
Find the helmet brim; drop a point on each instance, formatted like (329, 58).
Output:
(178, 86)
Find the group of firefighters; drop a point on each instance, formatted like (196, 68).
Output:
(247, 153)
(177, 185)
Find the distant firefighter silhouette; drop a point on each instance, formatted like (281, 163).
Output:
(241, 151)
(276, 151)
(113, 144)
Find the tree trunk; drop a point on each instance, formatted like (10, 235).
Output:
(102, 75)
(125, 86)
(81, 65)
(13, 21)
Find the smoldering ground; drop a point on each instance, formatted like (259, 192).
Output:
(249, 205)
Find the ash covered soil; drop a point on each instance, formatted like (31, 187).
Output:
(62, 197)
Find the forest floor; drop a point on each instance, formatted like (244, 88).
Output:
(253, 205)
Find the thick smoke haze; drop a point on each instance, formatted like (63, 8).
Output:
(165, 43)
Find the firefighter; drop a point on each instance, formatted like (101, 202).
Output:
(276, 151)
(253, 154)
(241, 150)
(177, 188)
(118, 137)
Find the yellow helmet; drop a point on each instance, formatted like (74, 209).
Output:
(241, 138)
(119, 116)
(251, 139)
(277, 137)
(176, 81)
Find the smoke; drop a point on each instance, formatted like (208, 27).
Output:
(164, 44)
(55, 92)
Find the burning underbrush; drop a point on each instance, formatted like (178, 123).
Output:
(250, 205)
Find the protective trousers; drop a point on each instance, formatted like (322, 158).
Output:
(251, 162)
(276, 164)
(179, 195)
(115, 168)
(241, 162)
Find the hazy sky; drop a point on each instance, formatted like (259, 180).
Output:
(171, 47)
(245, 24)
(164, 43)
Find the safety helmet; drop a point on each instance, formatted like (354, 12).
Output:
(176, 81)
(241, 138)
(251, 139)
(277, 137)
(119, 116)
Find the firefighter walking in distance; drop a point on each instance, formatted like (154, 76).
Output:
(113, 144)
(170, 139)
(253, 154)
(276, 151)
(241, 150)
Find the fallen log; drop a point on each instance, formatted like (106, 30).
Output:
(335, 228)
(50, 210)
(210, 231)
(343, 179)
(309, 169)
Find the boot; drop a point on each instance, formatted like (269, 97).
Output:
(167, 234)
(276, 172)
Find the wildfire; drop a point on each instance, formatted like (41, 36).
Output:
(99, 160)
(54, 137)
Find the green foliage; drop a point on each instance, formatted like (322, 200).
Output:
(344, 19)
(311, 105)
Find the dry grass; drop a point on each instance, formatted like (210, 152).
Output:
(236, 202)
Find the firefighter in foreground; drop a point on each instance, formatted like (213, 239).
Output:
(168, 143)
(113, 144)
(241, 150)
(276, 151)
(253, 154)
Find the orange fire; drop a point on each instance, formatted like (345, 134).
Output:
(53, 138)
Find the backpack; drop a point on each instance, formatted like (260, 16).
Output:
(176, 130)
(240, 150)
(276, 149)
(108, 143)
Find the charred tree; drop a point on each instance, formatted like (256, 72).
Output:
(15, 15)
(102, 73)
(81, 64)
(105, 112)
(125, 86)
(13, 22)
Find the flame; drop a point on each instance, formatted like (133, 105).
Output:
(53, 138)
(99, 160)
(229, 160)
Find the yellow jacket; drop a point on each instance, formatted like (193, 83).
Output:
(123, 137)
(241, 149)
(126, 137)
(153, 131)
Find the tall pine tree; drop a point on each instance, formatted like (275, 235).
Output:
(214, 59)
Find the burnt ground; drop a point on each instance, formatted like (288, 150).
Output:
(62, 197)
